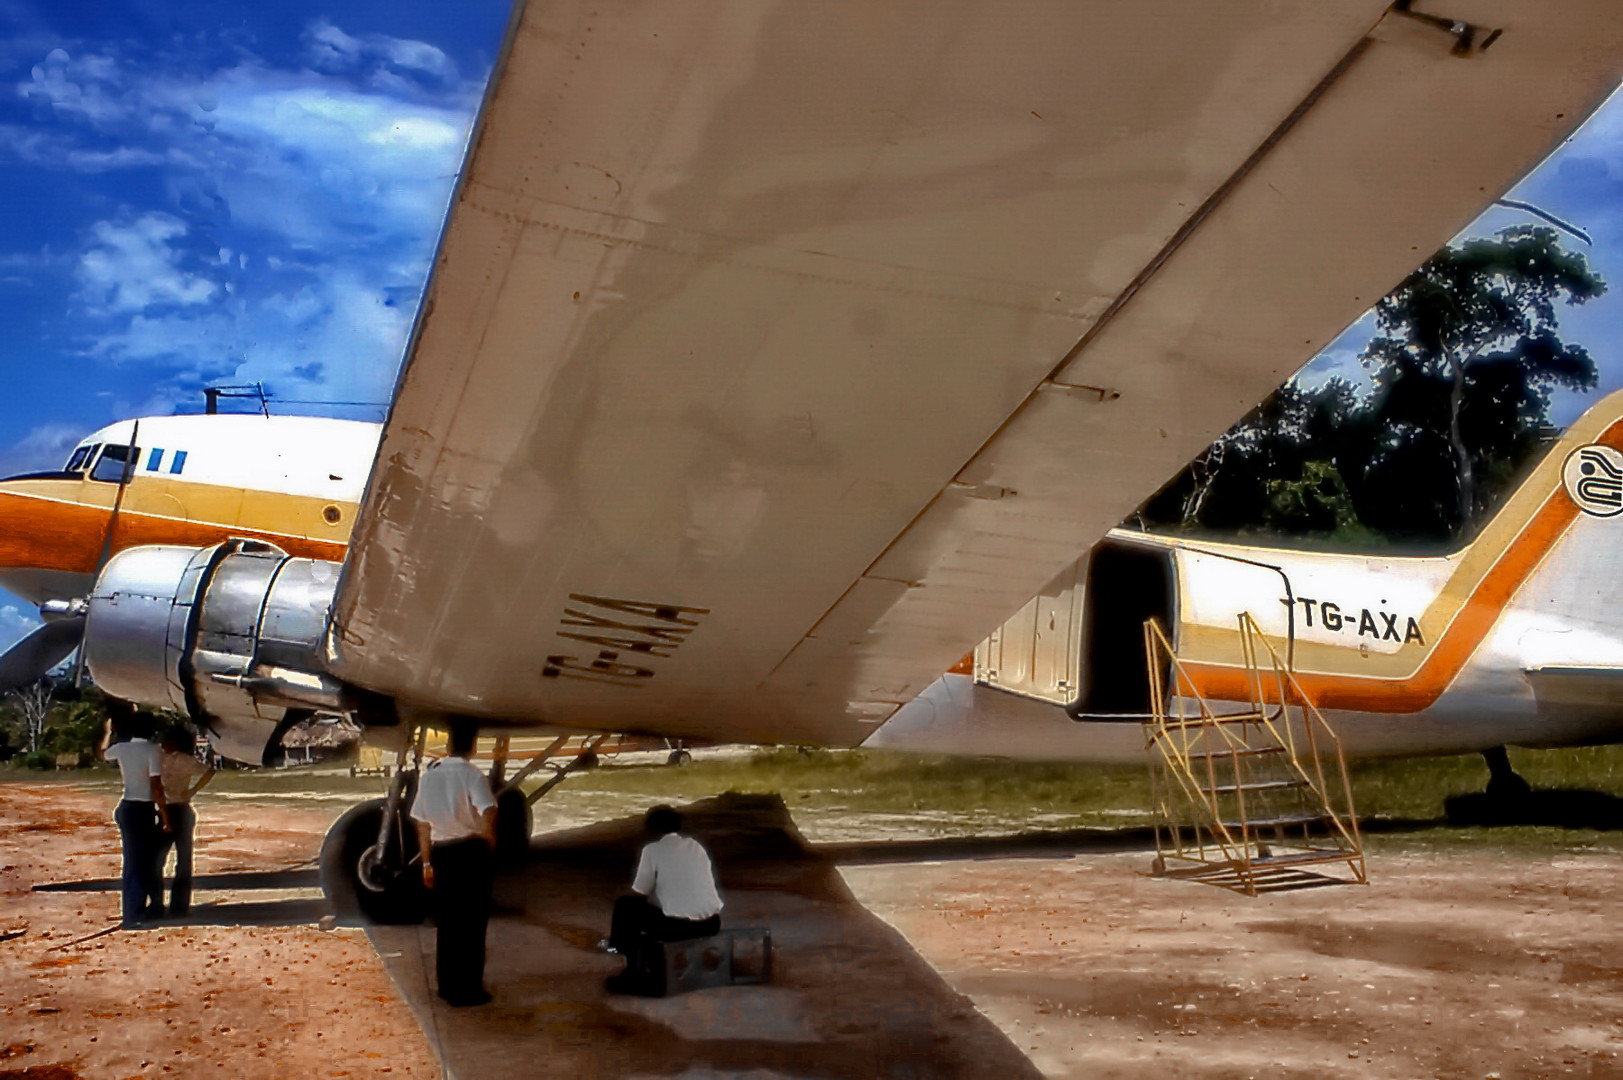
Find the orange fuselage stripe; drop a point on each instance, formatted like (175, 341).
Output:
(49, 534)
(1449, 654)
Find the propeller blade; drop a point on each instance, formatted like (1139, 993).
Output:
(44, 647)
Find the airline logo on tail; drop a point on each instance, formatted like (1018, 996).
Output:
(1594, 478)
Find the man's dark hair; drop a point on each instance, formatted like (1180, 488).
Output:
(179, 740)
(662, 821)
(461, 737)
(141, 724)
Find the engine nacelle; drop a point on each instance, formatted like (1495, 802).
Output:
(233, 635)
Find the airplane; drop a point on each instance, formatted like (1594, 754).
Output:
(1515, 639)
(294, 481)
(772, 356)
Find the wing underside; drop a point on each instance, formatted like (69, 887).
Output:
(775, 353)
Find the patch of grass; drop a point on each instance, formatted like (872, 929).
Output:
(1021, 794)
(965, 795)
(1416, 787)
(13, 772)
(848, 793)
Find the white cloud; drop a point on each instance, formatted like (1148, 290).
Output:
(418, 56)
(299, 209)
(15, 623)
(133, 266)
(329, 46)
(335, 337)
(89, 86)
(45, 447)
(331, 49)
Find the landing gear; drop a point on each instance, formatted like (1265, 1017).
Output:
(514, 818)
(513, 824)
(365, 881)
(1504, 783)
(1508, 799)
(369, 860)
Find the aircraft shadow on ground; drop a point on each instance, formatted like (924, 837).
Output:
(847, 997)
(1032, 845)
(295, 912)
(1560, 808)
(292, 911)
(239, 880)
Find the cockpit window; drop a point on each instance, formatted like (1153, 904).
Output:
(81, 456)
(115, 460)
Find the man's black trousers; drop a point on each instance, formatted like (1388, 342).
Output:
(463, 873)
(637, 921)
(141, 834)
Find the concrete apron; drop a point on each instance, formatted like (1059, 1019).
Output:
(849, 997)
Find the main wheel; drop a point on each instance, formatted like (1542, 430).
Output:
(380, 891)
(679, 757)
(513, 822)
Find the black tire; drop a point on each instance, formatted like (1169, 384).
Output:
(679, 758)
(513, 822)
(403, 901)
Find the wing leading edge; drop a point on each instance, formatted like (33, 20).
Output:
(773, 356)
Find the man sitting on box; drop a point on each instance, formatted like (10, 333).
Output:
(675, 899)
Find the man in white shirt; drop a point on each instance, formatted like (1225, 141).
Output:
(183, 776)
(455, 816)
(675, 899)
(142, 814)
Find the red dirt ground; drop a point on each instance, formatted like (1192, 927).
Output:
(218, 1001)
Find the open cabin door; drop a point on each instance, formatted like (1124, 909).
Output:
(1080, 642)
(1036, 653)
(1126, 584)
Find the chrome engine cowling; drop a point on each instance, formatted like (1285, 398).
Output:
(233, 635)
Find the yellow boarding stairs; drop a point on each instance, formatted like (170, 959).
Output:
(1246, 799)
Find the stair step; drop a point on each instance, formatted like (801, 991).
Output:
(1275, 822)
(1302, 858)
(1255, 785)
(1246, 751)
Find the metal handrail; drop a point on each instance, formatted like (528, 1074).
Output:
(1313, 722)
(1184, 737)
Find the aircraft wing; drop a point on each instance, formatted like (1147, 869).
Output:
(775, 352)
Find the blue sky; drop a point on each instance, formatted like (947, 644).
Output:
(1582, 184)
(218, 192)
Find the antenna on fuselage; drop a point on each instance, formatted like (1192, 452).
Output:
(213, 394)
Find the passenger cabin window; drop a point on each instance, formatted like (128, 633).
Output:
(110, 467)
(155, 460)
(80, 457)
(178, 462)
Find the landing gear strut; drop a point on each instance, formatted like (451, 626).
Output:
(513, 815)
(369, 866)
(1504, 783)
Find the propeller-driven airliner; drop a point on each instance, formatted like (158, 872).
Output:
(774, 354)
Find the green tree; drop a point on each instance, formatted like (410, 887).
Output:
(1467, 354)
(75, 727)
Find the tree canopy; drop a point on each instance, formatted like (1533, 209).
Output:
(1466, 354)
